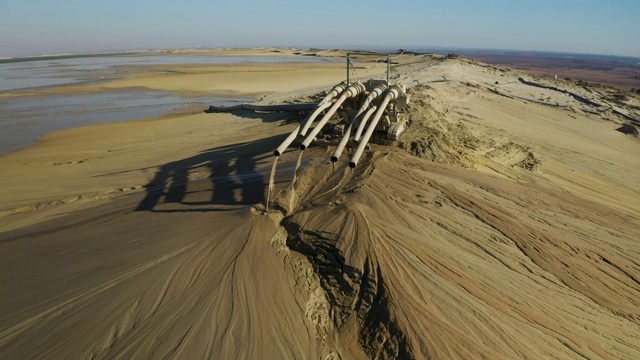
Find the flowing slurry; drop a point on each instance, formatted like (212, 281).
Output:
(272, 176)
(496, 228)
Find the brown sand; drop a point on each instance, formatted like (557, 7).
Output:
(505, 229)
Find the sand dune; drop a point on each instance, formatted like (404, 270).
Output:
(496, 228)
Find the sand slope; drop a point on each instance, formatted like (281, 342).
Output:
(497, 228)
(455, 264)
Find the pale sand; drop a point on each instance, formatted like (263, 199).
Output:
(512, 234)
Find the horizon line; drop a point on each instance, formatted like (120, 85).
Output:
(385, 48)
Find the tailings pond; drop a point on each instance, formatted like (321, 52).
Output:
(24, 118)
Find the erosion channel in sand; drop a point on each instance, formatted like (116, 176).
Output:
(494, 227)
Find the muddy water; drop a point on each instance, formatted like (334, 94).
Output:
(32, 73)
(294, 183)
(24, 118)
(271, 181)
(333, 180)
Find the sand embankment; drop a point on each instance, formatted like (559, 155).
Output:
(499, 228)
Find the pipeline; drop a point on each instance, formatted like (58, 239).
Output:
(324, 103)
(434, 79)
(334, 92)
(347, 134)
(353, 90)
(303, 125)
(392, 94)
(252, 107)
(425, 81)
(514, 96)
(307, 122)
(362, 123)
(505, 82)
(379, 90)
(579, 98)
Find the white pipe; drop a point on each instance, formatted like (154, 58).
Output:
(362, 123)
(307, 122)
(353, 90)
(322, 121)
(345, 139)
(304, 124)
(514, 96)
(392, 94)
(367, 135)
(337, 89)
(365, 104)
(377, 91)
(334, 92)
(425, 81)
(285, 144)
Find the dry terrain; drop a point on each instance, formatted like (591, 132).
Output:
(616, 71)
(504, 224)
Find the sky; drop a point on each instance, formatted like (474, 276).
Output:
(35, 27)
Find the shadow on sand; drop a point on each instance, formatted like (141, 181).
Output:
(233, 179)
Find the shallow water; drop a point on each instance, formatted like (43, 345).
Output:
(35, 74)
(23, 119)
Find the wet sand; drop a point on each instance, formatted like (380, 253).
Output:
(496, 228)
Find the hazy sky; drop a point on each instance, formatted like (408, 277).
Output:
(32, 27)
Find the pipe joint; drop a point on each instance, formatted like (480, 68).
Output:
(354, 90)
(378, 91)
(334, 92)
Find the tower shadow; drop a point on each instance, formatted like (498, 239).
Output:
(233, 180)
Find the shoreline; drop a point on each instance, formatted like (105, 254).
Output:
(224, 52)
(186, 81)
(93, 109)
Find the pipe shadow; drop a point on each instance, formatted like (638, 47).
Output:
(285, 117)
(233, 179)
